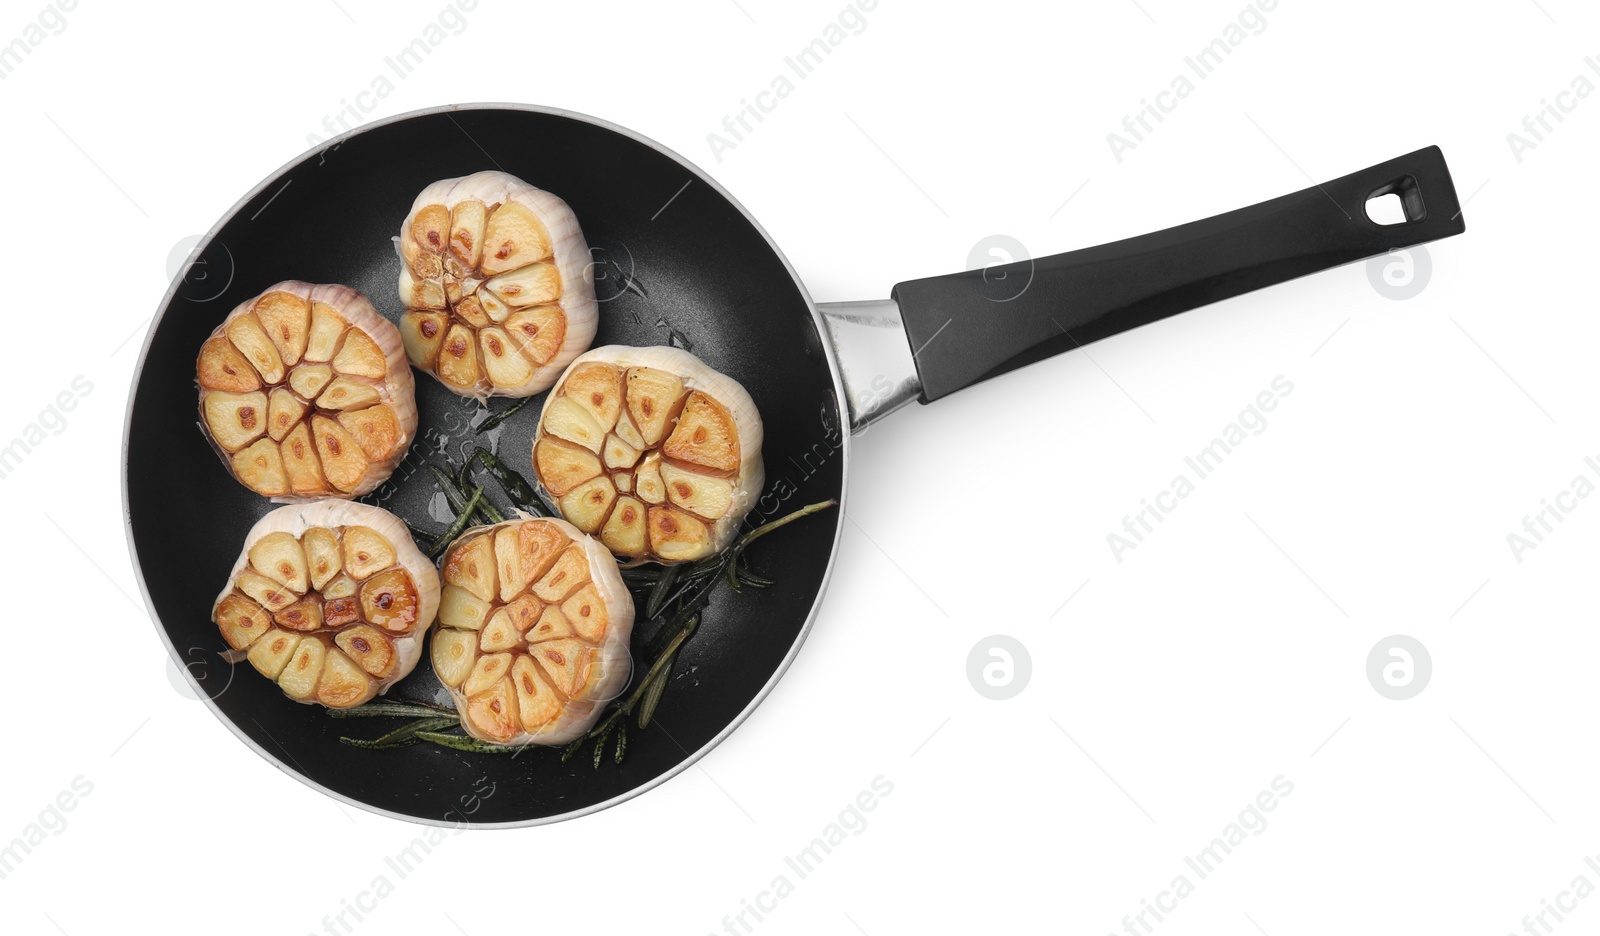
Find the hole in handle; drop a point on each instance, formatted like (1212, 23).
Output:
(1386, 209)
(1397, 202)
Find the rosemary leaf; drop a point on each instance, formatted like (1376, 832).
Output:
(655, 681)
(447, 484)
(500, 417)
(782, 521)
(418, 533)
(395, 710)
(750, 578)
(652, 695)
(622, 744)
(514, 484)
(464, 743)
(404, 735)
(661, 591)
(462, 519)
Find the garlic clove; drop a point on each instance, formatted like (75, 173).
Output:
(270, 654)
(284, 410)
(345, 393)
(587, 505)
(704, 435)
(328, 326)
(223, 367)
(286, 318)
(472, 566)
(624, 532)
(652, 396)
(235, 419)
(699, 494)
(494, 712)
(462, 609)
(454, 655)
(678, 536)
(566, 420)
(540, 332)
(307, 380)
(563, 466)
(570, 570)
(514, 237)
(505, 365)
(486, 672)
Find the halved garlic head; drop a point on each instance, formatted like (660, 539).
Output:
(305, 392)
(330, 600)
(533, 631)
(497, 284)
(652, 451)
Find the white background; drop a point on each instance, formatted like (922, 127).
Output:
(1226, 650)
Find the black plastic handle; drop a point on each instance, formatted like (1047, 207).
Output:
(970, 326)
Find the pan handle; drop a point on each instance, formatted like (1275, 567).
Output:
(967, 327)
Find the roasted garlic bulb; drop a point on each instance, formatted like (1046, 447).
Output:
(533, 631)
(330, 600)
(650, 449)
(498, 288)
(305, 392)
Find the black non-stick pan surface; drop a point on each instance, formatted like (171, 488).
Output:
(677, 262)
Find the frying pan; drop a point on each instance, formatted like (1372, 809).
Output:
(677, 260)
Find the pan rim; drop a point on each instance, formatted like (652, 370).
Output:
(822, 588)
